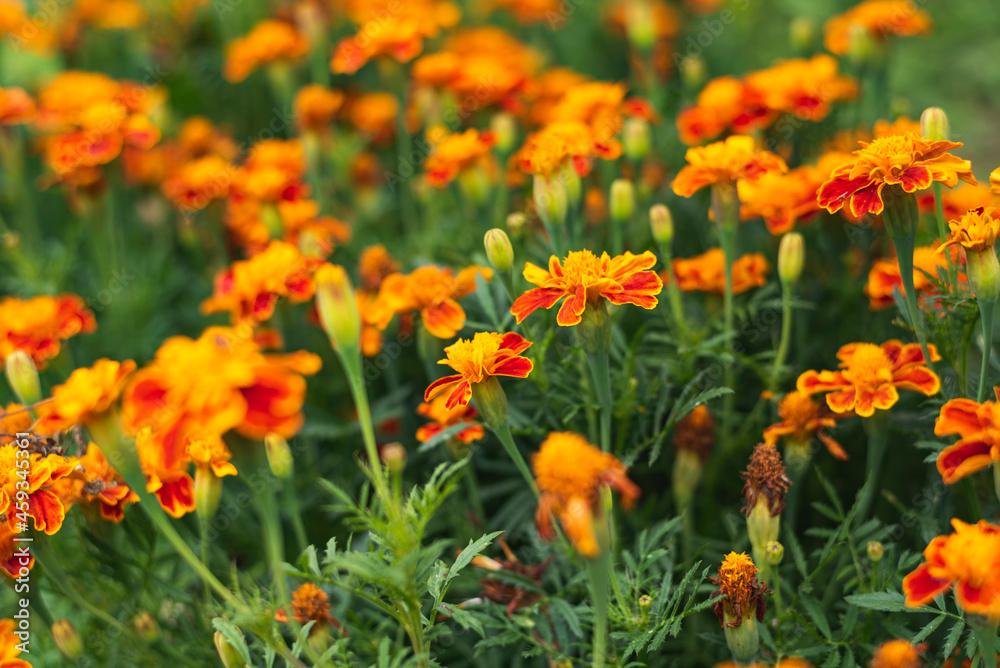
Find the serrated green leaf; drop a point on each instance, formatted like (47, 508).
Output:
(885, 601)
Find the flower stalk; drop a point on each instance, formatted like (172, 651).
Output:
(726, 209)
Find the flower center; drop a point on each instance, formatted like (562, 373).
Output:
(869, 366)
(798, 409)
(737, 577)
(469, 357)
(582, 267)
(973, 556)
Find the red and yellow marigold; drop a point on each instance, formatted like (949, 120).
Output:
(724, 163)
(39, 325)
(485, 356)
(978, 427)
(434, 293)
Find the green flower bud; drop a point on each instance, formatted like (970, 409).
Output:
(791, 257)
(499, 251)
(279, 456)
(491, 401)
(516, 222)
(875, 551)
(230, 656)
(693, 72)
(622, 200)
(393, 455)
(551, 200)
(22, 376)
(743, 640)
(146, 626)
(640, 26)
(338, 310)
(504, 128)
(662, 224)
(774, 553)
(67, 638)
(802, 34)
(207, 492)
(984, 274)
(934, 124)
(636, 138)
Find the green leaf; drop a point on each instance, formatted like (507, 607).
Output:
(929, 629)
(885, 601)
(232, 634)
(815, 612)
(954, 637)
(309, 561)
(832, 661)
(471, 551)
(466, 619)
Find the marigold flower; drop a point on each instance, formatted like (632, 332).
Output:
(969, 560)
(870, 376)
(975, 231)
(85, 397)
(10, 560)
(315, 106)
(9, 649)
(782, 200)
(726, 163)
(804, 88)
(884, 277)
(695, 432)
(443, 418)
(802, 419)
(570, 473)
(209, 451)
(880, 19)
(267, 42)
(959, 200)
(907, 161)
(458, 152)
(16, 106)
(43, 504)
(740, 592)
(725, 102)
(486, 355)
(249, 289)
(373, 114)
(897, 654)
(39, 325)
(97, 483)
(558, 144)
(707, 272)
(310, 604)
(14, 419)
(978, 427)
(375, 265)
(197, 182)
(434, 293)
(583, 279)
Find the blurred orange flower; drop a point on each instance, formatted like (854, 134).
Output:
(880, 19)
(443, 418)
(315, 106)
(884, 276)
(898, 654)
(455, 153)
(707, 272)
(434, 293)
(87, 395)
(39, 325)
(268, 42)
(802, 419)
(726, 163)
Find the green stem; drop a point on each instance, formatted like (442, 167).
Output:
(996, 479)
(725, 208)
(900, 221)
(986, 309)
(877, 428)
(786, 334)
(674, 296)
(597, 572)
(351, 360)
(49, 561)
(291, 501)
(943, 232)
(503, 433)
(601, 372)
(274, 544)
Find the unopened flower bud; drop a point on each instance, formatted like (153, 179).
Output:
(743, 640)
(491, 402)
(645, 602)
(640, 25)
(551, 201)
(662, 223)
(791, 258)
(571, 180)
(636, 138)
(934, 124)
(231, 657)
(802, 34)
(207, 492)
(22, 376)
(67, 638)
(862, 47)
(516, 222)
(338, 309)
(499, 251)
(984, 274)
(279, 456)
(774, 552)
(693, 72)
(146, 626)
(504, 128)
(393, 455)
(875, 551)
(622, 199)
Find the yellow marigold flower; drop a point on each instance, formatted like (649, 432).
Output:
(458, 152)
(884, 277)
(969, 561)
(740, 591)
(40, 324)
(209, 451)
(249, 289)
(584, 279)
(315, 106)
(801, 419)
(726, 163)
(44, 506)
(570, 473)
(434, 293)
(485, 356)
(96, 483)
(976, 231)
(879, 18)
(906, 161)
(706, 272)
(14, 419)
(898, 654)
(310, 604)
(267, 42)
(85, 397)
(978, 427)
(870, 376)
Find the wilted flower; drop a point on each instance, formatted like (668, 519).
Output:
(740, 604)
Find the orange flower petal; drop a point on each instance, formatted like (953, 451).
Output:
(969, 455)
(533, 300)
(920, 587)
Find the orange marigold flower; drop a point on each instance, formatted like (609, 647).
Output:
(267, 42)
(725, 102)
(898, 654)
(782, 200)
(906, 161)
(315, 106)
(85, 397)
(740, 592)
(486, 355)
(97, 483)
(879, 18)
(39, 325)
(726, 163)
(373, 114)
(196, 183)
(310, 604)
(957, 201)
(869, 376)
(10, 644)
(249, 289)
(804, 88)
(209, 451)
(434, 293)
(707, 272)
(978, 428)
(560, 144)
(43, 505)
(16, 106)
(884, 277)
(583, 279)
(445, 418)
(570, 473)
(975, 231)
(458, 152)
(802, 419)
(695, 432)
(375, 265)
(969, 560)
(14, 419)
